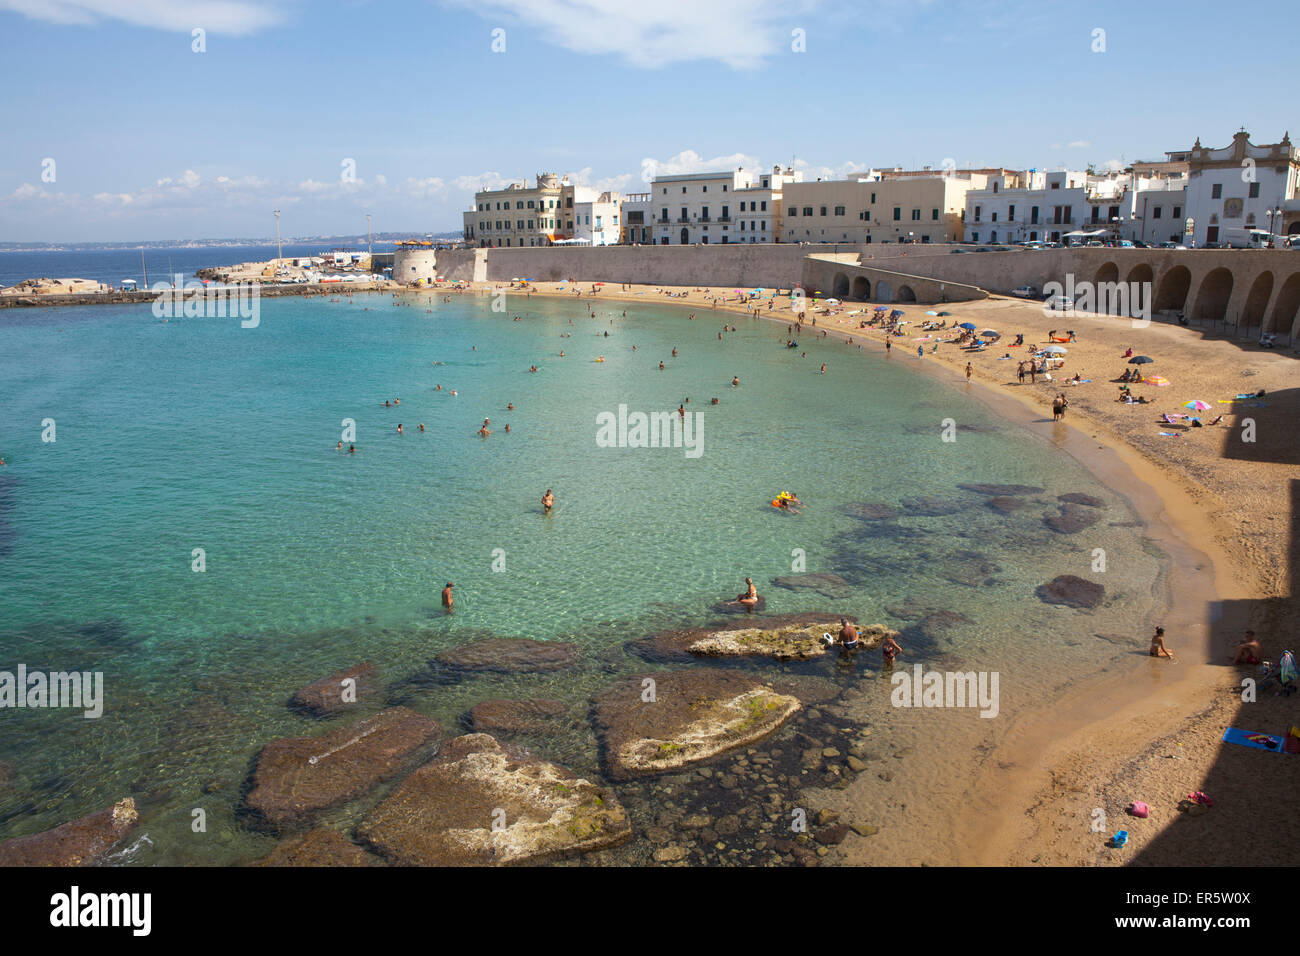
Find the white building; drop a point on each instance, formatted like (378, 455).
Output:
(636, 219)
(704, 208)
(1240, 187)
(596, 219)
(1035, 205)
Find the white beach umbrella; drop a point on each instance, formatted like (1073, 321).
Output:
(1054, 350)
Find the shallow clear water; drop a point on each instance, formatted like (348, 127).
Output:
(202, 434)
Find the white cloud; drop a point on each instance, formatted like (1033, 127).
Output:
(479, 181)
(1078, 144)
(228, 17)
(738, 33)
(689, 161)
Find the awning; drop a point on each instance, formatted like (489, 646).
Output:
(1081, 232)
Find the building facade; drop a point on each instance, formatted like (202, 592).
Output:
(1240, 187)
(864, 210)
(521, 216)
(1036, 206)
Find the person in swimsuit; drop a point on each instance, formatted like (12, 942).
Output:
(889, 649)
(1158, 648)
(849, 640)
(447, 599)
(735, 381)
(1249, 650)
(548, 502)
(750, 598)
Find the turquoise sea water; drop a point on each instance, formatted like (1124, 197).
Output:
(198, 433)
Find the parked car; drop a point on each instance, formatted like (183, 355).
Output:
(1025, 292)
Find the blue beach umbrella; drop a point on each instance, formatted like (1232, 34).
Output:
(969, 326)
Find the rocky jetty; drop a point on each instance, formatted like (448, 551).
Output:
(517, 716)
(338, 692)
(297, 777)
(509, 655)
(318, 847)
(482, 803)
(1071, 591)
(82, 842)
(684, 717)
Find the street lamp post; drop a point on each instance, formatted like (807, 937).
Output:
(278, 251)
(369, 242)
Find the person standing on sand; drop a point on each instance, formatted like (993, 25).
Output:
(888, 346)
(1057, 410)
(920, 351)
(969, 371)
(447, 599)
(1158, 648)
(1065, 403)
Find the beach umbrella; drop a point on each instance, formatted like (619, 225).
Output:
(880, 308)
(832, 301)
(942, 314)
(1156, 380)
(1197, 405)
(1054, 350)
(991, 333)
(931, 312)
(1141, 360)
(968, 326)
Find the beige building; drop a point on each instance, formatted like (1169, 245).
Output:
(925, 207)
(521, 216)
(719, 208)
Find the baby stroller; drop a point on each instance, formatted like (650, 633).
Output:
(1283, 673)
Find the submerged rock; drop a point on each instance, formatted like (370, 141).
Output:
(516, 716)
(318, 847)
(871, 510)
(329, 695)
(996, 490)
(1072, 519)
(7, 774)
(510, 655)
(82, 842)
(825, 583)
(1071, 591)
(691, 716)
(1079, 498)
(931, 506)
(1006, 503)
(299, 776)
(481, 803)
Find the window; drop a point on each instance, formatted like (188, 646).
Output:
(1033, 215)
(1011, 214)
(1056, 185)
(684, 216)
(726, 212)
(704, 188)
(995, 187)
(1216, 191)
(873, 199)
(1250, 216)
(807, 210)
(839, 210)
(1156, 212)
(520, 224)
(934, 214)
(762, 205)
(994, 217)
(898, 213)
(665, 193)
(704, 212)
(823, 210)
(724, 187)
(1254, 190)
(978, 210)
(916, 215)
(794, 211)
(683, 189)
(763, 225)
(519, 204)
(530, 224)
(663, 215)
(530, 204)
(569, 225)
(1178, 212)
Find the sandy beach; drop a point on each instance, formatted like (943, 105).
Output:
(1221, 508)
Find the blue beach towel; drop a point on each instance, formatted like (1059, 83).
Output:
(1242, 738)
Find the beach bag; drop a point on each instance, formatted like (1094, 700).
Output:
(1139, 809)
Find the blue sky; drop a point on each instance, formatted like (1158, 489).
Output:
(152, 140)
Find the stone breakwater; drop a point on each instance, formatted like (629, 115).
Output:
(127, 298)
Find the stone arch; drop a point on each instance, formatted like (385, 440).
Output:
(1293, 229)
(1109, 272)
(905, 294)
(1140, 273)
(1171, 296)
(884, 292)
(1257, 300)
(686, 236)
(840, 286)
(861, 288)
(1285, 306)
(1213, 295)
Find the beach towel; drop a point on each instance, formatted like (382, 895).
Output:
(1258, 741)
(1170, 435)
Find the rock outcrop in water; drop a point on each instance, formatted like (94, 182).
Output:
(784, 637)
(510, 655)
(82, 842)
(297, 777)
(871, 510)
(318, 847)
(481, 803)
(330, 695)
(1072, 592)
(517, 716)
(931, 506)
(1079, 498)
(825, 583)
(1006, 503)
(683, 718)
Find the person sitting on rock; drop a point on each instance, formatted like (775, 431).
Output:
(750, 598)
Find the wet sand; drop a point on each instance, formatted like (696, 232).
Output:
(1227, 525)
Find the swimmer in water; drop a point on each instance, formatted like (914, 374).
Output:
(661, 366)
(340, 448)
(399, 429)
(548, 502)
(561, 353)
(421, 426)
(823, 368)
(437, 388)
(510, 406)
(453, 391)
(447, 599)
(507, 428)
(532, 368)
(352, 449)
(485, 431)
(674, 353)
(735, 381)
